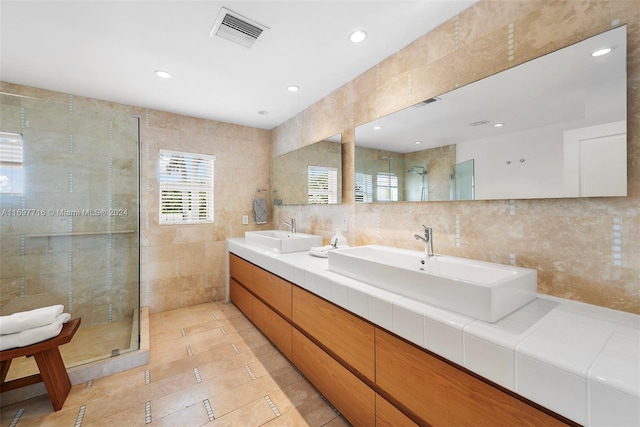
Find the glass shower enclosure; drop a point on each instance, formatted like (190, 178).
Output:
(69, 224)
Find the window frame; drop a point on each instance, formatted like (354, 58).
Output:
(195, 183)
(315, 192)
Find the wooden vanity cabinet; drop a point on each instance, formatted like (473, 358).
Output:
(350, 338)
(444, 395)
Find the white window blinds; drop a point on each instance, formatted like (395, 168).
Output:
(11, 167)
(364, 188)
(323, 185)
(186, 187)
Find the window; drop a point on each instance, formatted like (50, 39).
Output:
(186, 187)
(323, 185)
(364, 188)
(387, 187)
(11, 170)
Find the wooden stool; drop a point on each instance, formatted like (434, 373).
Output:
(47, 356)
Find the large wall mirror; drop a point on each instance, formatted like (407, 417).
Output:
(309, 175)
(551, 127)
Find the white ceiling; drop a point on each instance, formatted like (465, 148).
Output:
(110, 49)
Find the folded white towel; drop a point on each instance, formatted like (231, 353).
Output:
(34, 335)
(19, 322)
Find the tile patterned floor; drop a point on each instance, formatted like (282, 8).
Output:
(209, 366)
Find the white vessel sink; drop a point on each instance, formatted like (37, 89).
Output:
(483, 290)
(283, 242)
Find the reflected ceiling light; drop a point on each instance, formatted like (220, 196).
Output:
(418, 142)
(163, 74)
(498, 125)
(357, 36)
(293, 88)
(601, 52)
(377, 127)
(263, 112)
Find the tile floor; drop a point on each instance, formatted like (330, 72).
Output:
(209, 366)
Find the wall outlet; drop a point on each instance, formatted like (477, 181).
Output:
(344, 224)
(245, 219)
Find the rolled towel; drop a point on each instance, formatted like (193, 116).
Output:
(24, 320)
(34, 335)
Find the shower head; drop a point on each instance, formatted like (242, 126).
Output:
(414, 169)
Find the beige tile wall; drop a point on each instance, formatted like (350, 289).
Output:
(185, 265)
(569, 241)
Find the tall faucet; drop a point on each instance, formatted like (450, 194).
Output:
(291, 224)
(427, 239)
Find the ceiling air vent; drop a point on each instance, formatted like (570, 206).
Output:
(427, 102)
(236, 28)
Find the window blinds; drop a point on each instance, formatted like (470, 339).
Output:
(186, 187)
(323, 185)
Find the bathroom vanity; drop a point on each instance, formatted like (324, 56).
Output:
(383, 359)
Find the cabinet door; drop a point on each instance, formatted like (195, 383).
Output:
(347, 336)
(241, 270)
(277, 329)
(353, 398)
(274, 290)
(443, 395)
(241, 298)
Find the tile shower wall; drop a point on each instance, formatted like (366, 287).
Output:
(180, 265)
(583, 249)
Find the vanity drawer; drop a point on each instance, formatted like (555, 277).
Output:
(352, 397)
(273, 290)
(348, 337)
(443, 395)
(241, 298)
(277, 329)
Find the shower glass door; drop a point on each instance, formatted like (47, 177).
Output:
(69, 225)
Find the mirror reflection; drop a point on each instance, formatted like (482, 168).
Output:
(552, 127)
(309, 175)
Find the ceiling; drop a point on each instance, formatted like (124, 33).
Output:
(110, 49)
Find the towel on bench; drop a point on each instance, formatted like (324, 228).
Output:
(24, 320)
(34, 335)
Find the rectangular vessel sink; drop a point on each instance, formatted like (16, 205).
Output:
(482, 290)
(281, 241)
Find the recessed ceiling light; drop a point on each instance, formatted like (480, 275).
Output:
(357, 36)
(498, 125)
(293, 88)
(263, 112)
(601, 52)
(163, 74)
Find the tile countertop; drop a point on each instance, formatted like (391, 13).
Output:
(579, 360)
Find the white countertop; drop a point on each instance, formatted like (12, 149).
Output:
(579, 360)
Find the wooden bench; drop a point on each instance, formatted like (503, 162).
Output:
(52, 370)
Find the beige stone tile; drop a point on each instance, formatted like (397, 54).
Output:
(192, 415)
(314, 412)
(254, 413)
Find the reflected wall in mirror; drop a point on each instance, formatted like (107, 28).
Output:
(309, 175)
(551, 127)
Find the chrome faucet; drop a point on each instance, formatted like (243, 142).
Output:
(427, 239)
(291, 224)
